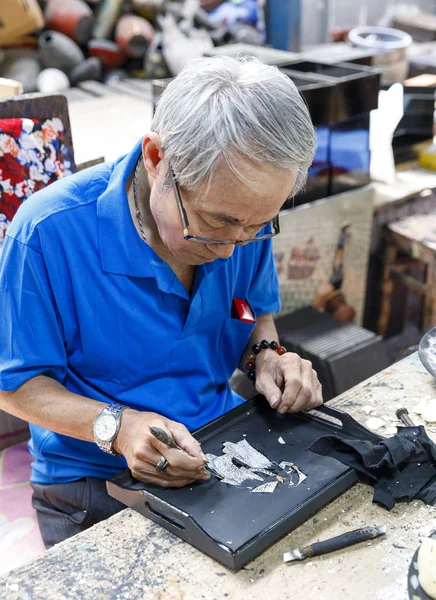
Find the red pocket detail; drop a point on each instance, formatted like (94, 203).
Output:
(241, 310)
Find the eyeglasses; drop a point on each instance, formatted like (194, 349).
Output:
(275, 226)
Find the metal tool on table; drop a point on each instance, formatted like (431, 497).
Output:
(403, 415)
(167, 439)
(336, 543)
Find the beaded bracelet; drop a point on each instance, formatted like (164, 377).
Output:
(250, 365)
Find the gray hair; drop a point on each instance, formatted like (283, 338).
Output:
(220, 108)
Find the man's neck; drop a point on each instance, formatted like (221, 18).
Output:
(149, 226)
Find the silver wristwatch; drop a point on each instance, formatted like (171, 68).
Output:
(106, 427)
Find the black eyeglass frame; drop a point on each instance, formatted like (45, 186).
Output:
(205, 240)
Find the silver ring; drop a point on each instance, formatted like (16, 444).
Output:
(162, 463)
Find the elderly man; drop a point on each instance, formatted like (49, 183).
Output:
(131, 291)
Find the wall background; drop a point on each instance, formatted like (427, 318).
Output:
(345, 13)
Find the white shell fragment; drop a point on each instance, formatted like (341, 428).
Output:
(367, 409)
(291, 467)
(266, 487)
(246, 454)
(281, 440)
(418, 408)
(390, 430)
(240, 464)
(415, 582)
(374, 423)
(251, 474)
(263, 472)
(429, 412)
(224, 466)
(210, 460)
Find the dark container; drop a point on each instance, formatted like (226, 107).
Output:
(231, 524)
(340, 112)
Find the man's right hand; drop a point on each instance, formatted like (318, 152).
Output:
(143, 451)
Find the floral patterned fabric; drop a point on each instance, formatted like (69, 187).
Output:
(32, 155)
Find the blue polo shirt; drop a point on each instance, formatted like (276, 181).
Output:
(85, 301)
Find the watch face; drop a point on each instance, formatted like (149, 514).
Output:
(105, 427)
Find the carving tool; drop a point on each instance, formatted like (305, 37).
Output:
(166, 438)
(335, 543)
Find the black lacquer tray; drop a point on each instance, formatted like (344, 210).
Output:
(233, 524)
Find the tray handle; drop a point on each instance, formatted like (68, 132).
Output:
(349, 425)
(169, 517)
(151, 506)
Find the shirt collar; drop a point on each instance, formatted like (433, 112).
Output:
(122, 250)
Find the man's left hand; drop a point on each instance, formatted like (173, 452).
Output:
(288, 382)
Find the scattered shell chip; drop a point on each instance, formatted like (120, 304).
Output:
(374, 423)
(268, 487)
(281, 440)
(390, 430)
(414, 582)
(421, 406)
(292, 469)
(429, 412)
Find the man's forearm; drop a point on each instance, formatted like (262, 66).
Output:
(45, 402)
(265, 330)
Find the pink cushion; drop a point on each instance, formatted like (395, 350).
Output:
(20, 539)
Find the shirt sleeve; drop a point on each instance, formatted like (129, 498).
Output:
(31, 340)
(264, 292)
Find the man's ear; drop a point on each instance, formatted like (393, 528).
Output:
(152, 153)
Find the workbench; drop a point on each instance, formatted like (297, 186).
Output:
(128, 557)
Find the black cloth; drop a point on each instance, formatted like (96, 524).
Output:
(401, 468)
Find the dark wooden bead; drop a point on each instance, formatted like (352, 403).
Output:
(264, 344)
(256, 348)
(274, 346)
(251, 375)
(251, 357)
(281, 350)
(250, 365)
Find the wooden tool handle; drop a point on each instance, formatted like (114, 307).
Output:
(164, 437)
(345, 540)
